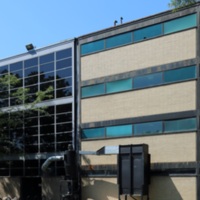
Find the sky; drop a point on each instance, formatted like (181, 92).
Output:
(45, 22)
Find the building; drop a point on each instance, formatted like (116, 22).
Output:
(139, 84)
(40, 135)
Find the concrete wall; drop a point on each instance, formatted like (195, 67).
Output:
(158, 51)
(158, 100)
(161, 188)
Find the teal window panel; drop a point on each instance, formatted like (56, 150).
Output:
(119, 131)
(93, 133)
(118, 86)
(181, 74)
(93, 90)
(147, 32)
(179, 24)
(147, 80)
(148, 128)
(189, 124)
(119, 40)
(92, 47)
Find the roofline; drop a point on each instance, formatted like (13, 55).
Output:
(137, 21)
(38, 50)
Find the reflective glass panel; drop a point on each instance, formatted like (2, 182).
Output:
(64, 83)
(93, 133)
(64, 73)
(32, 80)
(147, 80)
(66, 53)
(4, 69)
(31, 62)
(92, 47)
(180, 24)
(119, 131)
(47, 58)
(47, 77)
(118, 40)
(181, 74)
(64, 92)
(148, 128)
(180, 125)
(117, 86)
(18, 74)
(16, 66)
(64, 108)
(93, 90)
(47, 67)
(64, 63)
(147, 32)
(31, 71)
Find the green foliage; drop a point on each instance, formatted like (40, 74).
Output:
(12, 117)
(177, 4)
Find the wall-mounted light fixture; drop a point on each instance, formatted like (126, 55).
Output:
(29, 47)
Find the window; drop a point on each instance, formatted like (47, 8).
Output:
(181, 74)
(16, 66)
(180, 24)
(148, 128)
(47, 58)
(119, 40)
(117, 86)
(119, 131)
(180, 125)
(147, 80)
(93, 133)
(66, 53)
(93, 90)
(92, 47)
(147, 32)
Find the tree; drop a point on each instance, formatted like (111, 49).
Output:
(177, 4)
(11, 117)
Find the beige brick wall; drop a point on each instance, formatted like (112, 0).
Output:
(158, 100)
(161, 188)
(174, 188)
(163, 148)
(162, 50)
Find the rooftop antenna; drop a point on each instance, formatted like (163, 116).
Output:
(115, 22)
(121, 20)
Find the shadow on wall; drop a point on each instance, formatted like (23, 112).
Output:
(163, 187)
(98, 189)
(9, 187)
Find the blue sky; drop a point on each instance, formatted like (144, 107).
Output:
(45, 22)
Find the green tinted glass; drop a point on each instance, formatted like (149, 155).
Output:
(181, 74)
(92, 47)
(117, 86)
(118, 131)
(180, 24)
(93, 90)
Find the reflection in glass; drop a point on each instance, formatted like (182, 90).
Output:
(47, 77)
(31, 71)
(47, 58)
(147, 80)
(119, 131)
(63, 73)
(148, 128)
(64, 92)
(63, 83)
(64, 54)
(47, 67)
(16, 66)
(63, 63)
(30, 62)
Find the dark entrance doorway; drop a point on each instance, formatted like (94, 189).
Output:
(31, 189)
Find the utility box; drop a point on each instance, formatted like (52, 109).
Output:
(133, 170)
